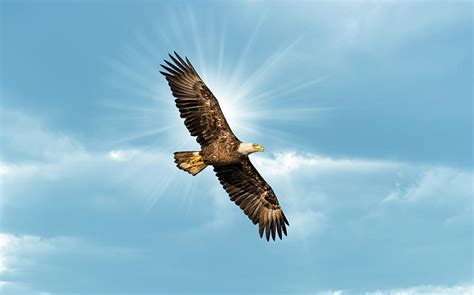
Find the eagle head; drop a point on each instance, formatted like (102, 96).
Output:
(248, 148)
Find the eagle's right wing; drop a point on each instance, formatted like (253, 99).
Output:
(247, 188)
(196, 103)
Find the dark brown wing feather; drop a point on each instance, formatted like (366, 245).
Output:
(196, 103)
(247, 188)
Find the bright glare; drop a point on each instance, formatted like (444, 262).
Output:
(149, 114)
(230, 103)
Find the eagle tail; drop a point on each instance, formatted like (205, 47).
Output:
(190, 162)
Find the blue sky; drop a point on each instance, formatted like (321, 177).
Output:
(364, 108)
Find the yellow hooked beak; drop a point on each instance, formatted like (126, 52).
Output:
(259, 148)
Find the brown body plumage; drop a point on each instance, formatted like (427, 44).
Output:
(221, 148)
(221, 152)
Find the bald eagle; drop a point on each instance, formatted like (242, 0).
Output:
(222, 149)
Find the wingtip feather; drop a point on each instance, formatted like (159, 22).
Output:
(165, 74)
(273, 229)
(267, 231)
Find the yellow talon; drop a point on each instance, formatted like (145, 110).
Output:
(196, 160)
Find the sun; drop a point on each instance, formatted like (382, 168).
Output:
(231, 104)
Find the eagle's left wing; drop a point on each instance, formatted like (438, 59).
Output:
(247, 188)
(197, 105)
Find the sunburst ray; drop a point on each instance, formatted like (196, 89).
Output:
(250, 106)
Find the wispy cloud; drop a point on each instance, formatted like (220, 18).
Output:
(435, 184)
(22, 257)
(462, 289)
(285, 163)
(26, 138)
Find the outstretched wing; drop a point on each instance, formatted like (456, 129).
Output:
(247, 188)
(196, 103)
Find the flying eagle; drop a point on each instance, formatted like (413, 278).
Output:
(222, 149)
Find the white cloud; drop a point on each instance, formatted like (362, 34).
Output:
(25, 255)
(34, 156)
(29, 137)
(312, 187)
(16, 250)
(467, 289)
(461, 289)
(306, 185)
(17, 170)
(123, 155)
(337, 292)
(407, 182)
(442, 183)
(285, 163)
(7, 287)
